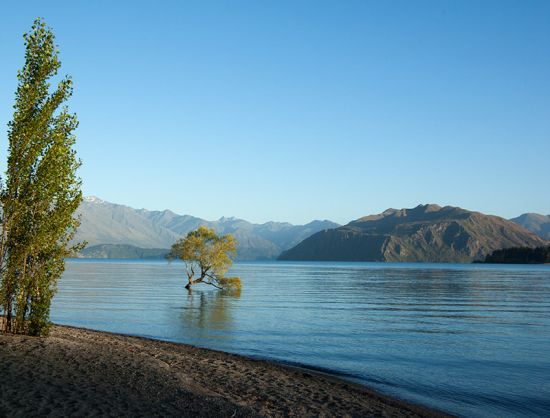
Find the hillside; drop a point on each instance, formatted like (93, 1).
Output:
(536, 223)
(113, 229)
(428, 233)
(109, 223)
(122, 251)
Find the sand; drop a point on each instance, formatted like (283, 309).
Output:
(77, 372)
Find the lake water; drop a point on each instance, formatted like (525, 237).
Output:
(472, 340)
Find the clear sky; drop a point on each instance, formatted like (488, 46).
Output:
(301, 110)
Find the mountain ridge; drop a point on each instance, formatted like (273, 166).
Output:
(105, 223)
(428, 233)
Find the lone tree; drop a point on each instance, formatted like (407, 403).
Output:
(207, 258)
(42, 190)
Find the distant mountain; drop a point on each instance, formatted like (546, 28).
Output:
(108, 224)
(538, 224)
(426, 233)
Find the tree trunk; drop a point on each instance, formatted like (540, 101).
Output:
(7, 327)
(192, 282)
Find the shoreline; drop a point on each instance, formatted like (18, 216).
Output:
(76, 371)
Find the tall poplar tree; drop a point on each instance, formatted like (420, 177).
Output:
(42, 189)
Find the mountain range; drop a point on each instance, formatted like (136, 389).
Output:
(113, 230)
(424, 233)
(428, 233)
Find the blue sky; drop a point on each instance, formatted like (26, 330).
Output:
(301, 110)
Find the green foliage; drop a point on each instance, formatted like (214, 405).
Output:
(42, 189)
(207, 257)
(232, 283)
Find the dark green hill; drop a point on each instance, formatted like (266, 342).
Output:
(427, 233)
(539, 255)
(122, 251)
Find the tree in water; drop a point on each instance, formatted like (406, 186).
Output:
(42, 190)
(207, 257)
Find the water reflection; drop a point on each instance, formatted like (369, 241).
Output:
(209, 309)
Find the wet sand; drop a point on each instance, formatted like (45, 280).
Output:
(77, 372)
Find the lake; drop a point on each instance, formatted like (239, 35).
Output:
(472, 340)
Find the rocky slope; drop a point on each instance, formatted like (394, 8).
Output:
(427, 233)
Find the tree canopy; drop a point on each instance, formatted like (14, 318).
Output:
(520, 255)
(42, 189)
(207, 257)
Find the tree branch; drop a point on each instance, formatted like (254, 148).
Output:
(216, 286)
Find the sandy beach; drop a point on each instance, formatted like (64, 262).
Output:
(77, 372)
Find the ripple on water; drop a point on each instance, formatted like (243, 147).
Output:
(468, 339)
